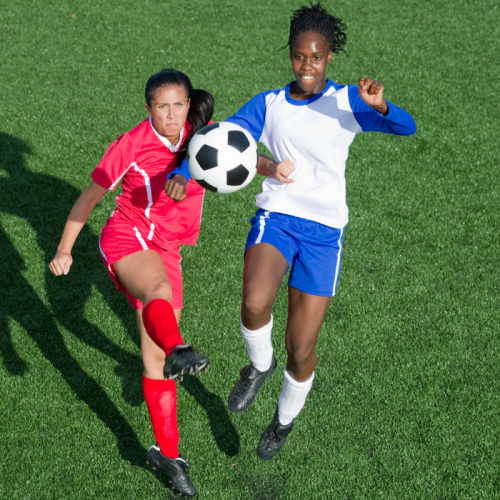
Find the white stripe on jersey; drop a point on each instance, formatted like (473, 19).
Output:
(262, 223)
(150, 235)
(121, 176)
(338, 262)
(148, 188)
(141, 240)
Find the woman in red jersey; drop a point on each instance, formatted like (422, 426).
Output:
(139, 245)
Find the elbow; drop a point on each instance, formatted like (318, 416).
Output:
(410, 129)
(413, 129)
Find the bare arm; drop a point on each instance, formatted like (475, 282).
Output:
(279, 171)
(79, 214)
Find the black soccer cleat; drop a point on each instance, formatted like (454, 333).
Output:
(184, 360)
(273, 438)
(175, 468)
(247, 387)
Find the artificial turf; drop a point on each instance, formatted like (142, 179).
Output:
(405, 403)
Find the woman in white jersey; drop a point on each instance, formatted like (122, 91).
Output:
(308, 126)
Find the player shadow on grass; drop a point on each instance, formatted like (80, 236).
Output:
(44, 202)
(20, 302)
(225, 434)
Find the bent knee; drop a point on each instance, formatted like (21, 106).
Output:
(256, 305)
(162, 289)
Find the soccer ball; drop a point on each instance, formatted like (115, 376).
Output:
(223, 157)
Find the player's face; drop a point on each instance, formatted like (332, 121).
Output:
(310, 53)
(169, 109)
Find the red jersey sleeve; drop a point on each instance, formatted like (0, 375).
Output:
(115, 163)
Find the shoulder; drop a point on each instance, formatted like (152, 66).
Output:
(268, 95)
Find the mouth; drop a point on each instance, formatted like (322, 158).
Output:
(307, 77)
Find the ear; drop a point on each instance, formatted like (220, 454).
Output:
(150, 112)
(329, 58)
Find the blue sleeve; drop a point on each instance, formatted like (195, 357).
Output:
(182, 169)
(397, 121)
(252, 115)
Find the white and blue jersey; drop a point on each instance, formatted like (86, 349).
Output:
(315, 134)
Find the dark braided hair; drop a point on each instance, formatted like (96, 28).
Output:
(201, 107)
(315, 18)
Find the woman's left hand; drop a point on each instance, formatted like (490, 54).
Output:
(372, 93)
(175, 188)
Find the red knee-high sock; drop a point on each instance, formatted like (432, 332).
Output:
(161, 398)
(160, 323)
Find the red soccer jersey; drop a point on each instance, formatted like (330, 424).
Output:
(142, 159)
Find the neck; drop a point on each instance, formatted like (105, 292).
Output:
(302, 95)
(172, 139)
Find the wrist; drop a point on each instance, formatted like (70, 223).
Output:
(383, 108)
(64, 249)
(180, 179)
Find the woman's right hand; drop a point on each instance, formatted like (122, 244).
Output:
(282, 170)
(61, 263)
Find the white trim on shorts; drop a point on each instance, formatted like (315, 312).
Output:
(262, 223)
(150, 235)
(141, 239)
(339, 254)
(103, 254)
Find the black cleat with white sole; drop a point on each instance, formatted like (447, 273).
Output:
(273, 438)
(175, 468)
(184, 360)
(247, 387)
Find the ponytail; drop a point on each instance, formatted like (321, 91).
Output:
(200, 113)
(201, 107)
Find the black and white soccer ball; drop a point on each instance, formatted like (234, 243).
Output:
(223, 157)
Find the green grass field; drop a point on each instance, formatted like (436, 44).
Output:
(406, 400)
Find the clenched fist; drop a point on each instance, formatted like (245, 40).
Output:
(175, 188)
(372, 93)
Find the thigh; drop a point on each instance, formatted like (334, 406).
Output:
(269, 251)
(264, 269)
(172, 261)
(143, 274)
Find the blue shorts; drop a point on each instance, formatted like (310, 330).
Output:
(313, 250)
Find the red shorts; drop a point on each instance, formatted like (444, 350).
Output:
(119, 239)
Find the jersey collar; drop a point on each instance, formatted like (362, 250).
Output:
(315, 97)
(165, 141)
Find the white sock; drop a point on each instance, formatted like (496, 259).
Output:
(292, 398)
(258, 344)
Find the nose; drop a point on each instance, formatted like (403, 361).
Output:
(306, 64)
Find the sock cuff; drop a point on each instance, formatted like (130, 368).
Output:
(154, 302)
(299, 385)
(157, 385)
(255, 333)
